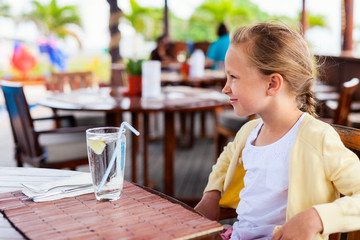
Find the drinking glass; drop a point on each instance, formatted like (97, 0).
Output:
(101, 145)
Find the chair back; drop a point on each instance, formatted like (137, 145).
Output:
(177, 47)
(349, 136)
(68, 81)
(25, 138)
(351, 139)
(346, 95)
(204, 46)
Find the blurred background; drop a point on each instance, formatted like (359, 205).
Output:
(73, 35)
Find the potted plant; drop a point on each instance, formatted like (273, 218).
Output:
(134, 71)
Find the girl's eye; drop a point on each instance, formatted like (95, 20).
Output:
(232, 77)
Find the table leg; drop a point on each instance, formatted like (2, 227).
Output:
(187, 122)
(169, 149)
(192, 129)
(203, 123)
(135, 147)
(145, 148)
(183, 129)
(113, 119)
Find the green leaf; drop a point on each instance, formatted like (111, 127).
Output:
(133, 67)
(52, 19)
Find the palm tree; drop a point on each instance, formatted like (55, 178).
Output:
(210, 13)
(115, 15)
(54, 20)
(314, 20)
(4, 9)
(232, 12)
(148, 21)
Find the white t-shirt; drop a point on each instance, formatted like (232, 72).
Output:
(263, 200)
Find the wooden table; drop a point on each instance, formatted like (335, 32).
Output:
(210, 78)
(172, 100)
(152, 215)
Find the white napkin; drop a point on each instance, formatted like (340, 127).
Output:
(66, 183)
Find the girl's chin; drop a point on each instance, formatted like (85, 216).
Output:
(241, 112)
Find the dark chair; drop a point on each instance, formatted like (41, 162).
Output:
(351, 139)
(342, 107)
(56, 148)
(175, 48)
(227, 124)
(204, 46)
(70, 81)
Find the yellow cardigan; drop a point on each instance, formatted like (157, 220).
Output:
(320, 168)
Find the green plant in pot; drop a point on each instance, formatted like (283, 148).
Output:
(134, 71)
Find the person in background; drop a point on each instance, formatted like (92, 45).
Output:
(283, 172)
(160, 53)
(217, 49)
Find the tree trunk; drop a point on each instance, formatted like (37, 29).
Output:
(115, 15)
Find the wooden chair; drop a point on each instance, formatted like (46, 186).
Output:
(55, 148)
(351, 139)
(68, 81)
(342, 109)
(204, 46)
(177, 47)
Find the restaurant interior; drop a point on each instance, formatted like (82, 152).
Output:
(173, 99)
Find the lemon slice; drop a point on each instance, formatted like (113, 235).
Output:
(96, 145)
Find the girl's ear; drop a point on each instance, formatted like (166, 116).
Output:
(275, 84)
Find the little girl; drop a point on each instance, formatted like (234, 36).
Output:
(288, 167)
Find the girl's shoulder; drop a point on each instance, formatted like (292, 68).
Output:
(314, 132)
(315, 127)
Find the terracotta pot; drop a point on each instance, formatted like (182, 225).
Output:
(134, 86)
(185, 69)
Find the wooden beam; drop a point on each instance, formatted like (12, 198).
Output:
(166, 19)
(348, 24)
(303, 18)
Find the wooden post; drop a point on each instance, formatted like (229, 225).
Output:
(348, 25)
(166, 19)
(303, 18)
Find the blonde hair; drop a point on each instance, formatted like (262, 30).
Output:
(274, 48)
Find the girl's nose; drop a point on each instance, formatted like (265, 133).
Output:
(226, 89)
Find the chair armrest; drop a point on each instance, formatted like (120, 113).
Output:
(64, 130)
(54, 118)
(69, 118)
(226, 213)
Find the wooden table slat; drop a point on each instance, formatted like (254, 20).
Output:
(137, 214)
